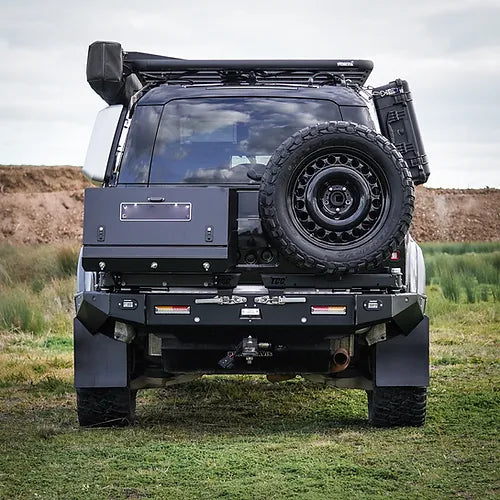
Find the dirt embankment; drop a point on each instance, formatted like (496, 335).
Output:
(457, 215)
(44, 205)
(41, 204)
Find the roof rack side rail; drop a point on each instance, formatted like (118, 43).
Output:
(168, 64)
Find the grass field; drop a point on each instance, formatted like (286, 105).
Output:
(242, 437)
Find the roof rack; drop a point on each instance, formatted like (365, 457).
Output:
(116, 75)
(150, 68)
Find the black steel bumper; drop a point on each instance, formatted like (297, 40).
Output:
(97, 311)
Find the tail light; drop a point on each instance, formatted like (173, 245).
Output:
(329, 310)
(395, 256)
(172, 310)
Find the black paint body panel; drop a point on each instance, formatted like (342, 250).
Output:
(229, 315)
(210, 207)
(131, 245)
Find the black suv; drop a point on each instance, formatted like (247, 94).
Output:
(251, 219)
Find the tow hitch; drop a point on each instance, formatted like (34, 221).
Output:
(249, 348)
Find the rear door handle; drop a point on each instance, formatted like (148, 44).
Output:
(156, 199)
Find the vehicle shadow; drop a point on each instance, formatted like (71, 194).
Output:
(251, 405)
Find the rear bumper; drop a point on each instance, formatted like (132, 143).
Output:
(98, 311)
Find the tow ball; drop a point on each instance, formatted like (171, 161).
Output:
(249, 348)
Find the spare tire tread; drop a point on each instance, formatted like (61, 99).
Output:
(268, 208)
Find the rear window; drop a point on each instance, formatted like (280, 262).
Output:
(214, 140)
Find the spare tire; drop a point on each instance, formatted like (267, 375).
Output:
(336, 197)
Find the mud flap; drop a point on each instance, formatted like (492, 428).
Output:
(404, 360)
(99, 360)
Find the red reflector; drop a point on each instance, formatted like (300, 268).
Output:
(172, 310)
(333, 310)
(396, 255)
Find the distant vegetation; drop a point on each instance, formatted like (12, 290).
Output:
(37, 282)
(460, 248)
(464, 272)
(37, 285)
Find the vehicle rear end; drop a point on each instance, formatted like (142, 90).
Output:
(251, 221)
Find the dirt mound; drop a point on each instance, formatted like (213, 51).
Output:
(32, 179)
(44, 205)
(41, 217)
(456, 215)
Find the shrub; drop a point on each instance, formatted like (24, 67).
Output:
(19, 312)
(450, 284)
(469, 284)
(465, 271)
(67, 260)
(36, 265)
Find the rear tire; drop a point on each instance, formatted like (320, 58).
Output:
(106, 407)
(397, 406)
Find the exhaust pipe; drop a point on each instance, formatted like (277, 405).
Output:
(340, 360)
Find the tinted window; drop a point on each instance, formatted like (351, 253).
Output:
(357, 114)
(139, 147)
(218, 139)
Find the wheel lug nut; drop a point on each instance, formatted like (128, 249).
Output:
(330, 189)
(337, 210)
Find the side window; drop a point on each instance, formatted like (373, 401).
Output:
(357, 114)
(139, 146)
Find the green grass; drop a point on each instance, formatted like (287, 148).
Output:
(242, 437)
(37, 265)
(465, 272)
(245, 438)
(18, 312)
(37, 285)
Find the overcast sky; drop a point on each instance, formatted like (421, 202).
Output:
(448, 50)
